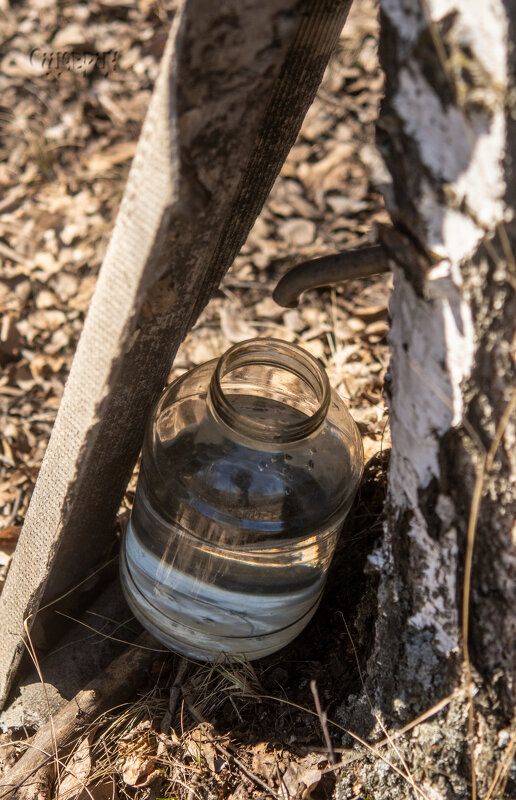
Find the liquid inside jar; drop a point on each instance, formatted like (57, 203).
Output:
(230, 538)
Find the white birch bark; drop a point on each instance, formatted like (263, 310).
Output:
(447, 133)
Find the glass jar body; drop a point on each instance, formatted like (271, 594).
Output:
(238, 508)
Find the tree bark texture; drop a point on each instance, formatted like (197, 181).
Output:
(235, 82)
(447, 132)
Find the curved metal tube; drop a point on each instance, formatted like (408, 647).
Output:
(323, 271)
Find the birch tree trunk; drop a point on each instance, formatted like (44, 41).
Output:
(445, 635)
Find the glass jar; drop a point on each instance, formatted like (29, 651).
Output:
(250, 464)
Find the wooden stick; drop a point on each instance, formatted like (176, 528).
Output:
(31, 775)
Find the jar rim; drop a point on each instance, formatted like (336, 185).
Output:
(268, 351)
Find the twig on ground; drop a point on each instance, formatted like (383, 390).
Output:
(40, 787)
(323, 719)
(175, 691)
(110, 688)
(8, 252)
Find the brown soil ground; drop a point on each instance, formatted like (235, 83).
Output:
(67, 139)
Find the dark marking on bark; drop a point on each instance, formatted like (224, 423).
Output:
(431, 67)
(400, 152)
(400, 552)
(427, 501)
(408, 253)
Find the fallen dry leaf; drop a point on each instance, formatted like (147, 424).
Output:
(300, 779)
(297, 232)
(234, 328)
(117, 154)
(10, 338)
(138, 770)
(8, 538)
(8, 752)
(73, 783)
(263, 762)
(102, 791)
(82, 299)
(138, 749)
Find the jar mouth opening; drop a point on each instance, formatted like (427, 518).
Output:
(278, 377)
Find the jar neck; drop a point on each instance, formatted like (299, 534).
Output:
(288, 386)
